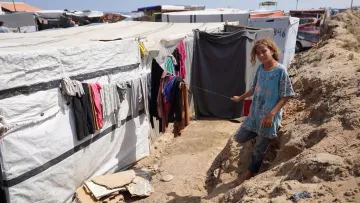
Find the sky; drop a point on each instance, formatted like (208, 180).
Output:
(130, 5)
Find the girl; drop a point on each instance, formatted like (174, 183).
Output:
(271, 89)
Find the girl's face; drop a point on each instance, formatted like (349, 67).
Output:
(263, 53)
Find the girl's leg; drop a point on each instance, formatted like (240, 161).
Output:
(244, 135)
(262, 144)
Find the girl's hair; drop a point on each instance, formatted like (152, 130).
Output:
(270, 44)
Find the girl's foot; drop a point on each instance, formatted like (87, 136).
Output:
(246, 176)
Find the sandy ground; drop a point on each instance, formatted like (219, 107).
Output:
(187, 158)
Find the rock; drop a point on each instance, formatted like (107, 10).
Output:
(140, 187)
(351, 56)
(356, 191)
(315, 179)
(336, 200)
(348, 194)
(167, 178)
(155, 167)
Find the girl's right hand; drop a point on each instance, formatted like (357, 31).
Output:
(235, 99)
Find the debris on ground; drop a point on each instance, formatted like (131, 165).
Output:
(300, 195)
(167, 178)
(140, 187)
(110, 188)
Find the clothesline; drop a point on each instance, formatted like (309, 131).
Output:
(208, 91)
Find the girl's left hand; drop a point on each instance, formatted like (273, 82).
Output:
(267, 121)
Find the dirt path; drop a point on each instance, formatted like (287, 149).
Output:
(187, 158)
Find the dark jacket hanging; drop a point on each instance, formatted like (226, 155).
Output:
(175, 108)
(83, 113)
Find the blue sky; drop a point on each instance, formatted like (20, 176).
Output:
(129, 5)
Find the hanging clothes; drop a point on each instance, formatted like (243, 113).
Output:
(182, 59)
(177, 56)
(96, 125)
(168, 88)
(143, 50)
(136, 97)
(184, 111)
(156, 73)
(174, 114)
(71, 87)
(139, 95)
(110, 100)
(161, 103)
(122, 88)
(83, 113)
(79, 95)
(144, 81)
(95, 92)
(169, 65)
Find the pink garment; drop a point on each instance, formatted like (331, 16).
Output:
(182, 52)
(95, 89)
(162, 106)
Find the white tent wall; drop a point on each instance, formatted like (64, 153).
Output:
(41, 158)
(207, 17)
(285, 33)
(23, 20)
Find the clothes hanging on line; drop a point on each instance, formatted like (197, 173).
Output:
(143, 50)
(139, 95)
(156, 73)
(182, 59)
(169, 65)
(83, 113)
(71, 87)
(184, 121)
(161, 102)
(95, 93)
(173, 103)
(110, 100)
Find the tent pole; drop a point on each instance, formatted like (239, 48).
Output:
(14, 5)
(297, 3)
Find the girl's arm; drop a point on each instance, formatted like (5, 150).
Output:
(242, 97)
(267, 122)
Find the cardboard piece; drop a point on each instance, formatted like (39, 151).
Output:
(83, 195)
(116, 180)
(99, 191)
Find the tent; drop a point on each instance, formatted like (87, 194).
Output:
(208, 15)
(218, 15)
(41, 159)
(23, 20)
(285, 33)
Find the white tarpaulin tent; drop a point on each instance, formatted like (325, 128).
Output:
(208, 15)
(285, 33)
(23, 20)
(41, 158)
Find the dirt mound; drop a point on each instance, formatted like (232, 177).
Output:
(317, 150)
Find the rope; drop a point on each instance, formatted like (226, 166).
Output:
(215, 93)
